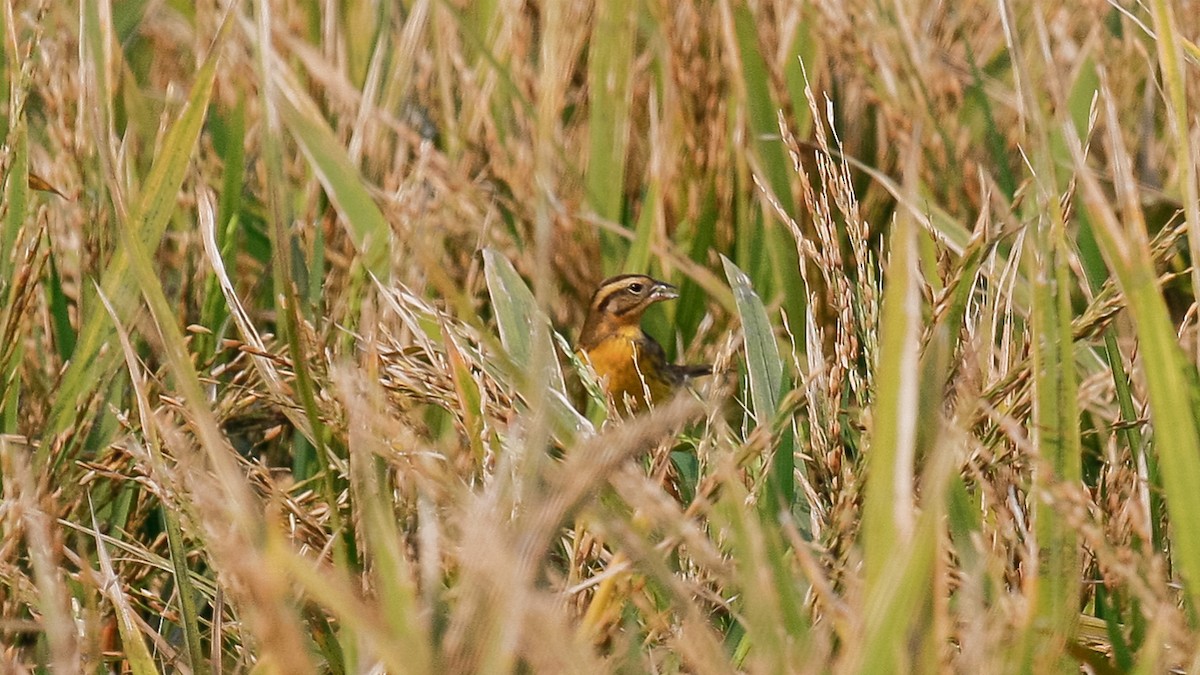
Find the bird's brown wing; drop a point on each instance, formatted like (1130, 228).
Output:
(675, 374)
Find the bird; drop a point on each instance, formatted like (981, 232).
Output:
(629, 363)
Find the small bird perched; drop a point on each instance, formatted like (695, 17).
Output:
(628, 361)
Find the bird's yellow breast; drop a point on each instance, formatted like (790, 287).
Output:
(626, 370)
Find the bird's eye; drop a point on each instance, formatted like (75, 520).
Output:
(635, 288)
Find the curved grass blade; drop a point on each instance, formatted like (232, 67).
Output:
(517, 314)
(132, 644)
(764, 365)
(286, 645)
(523, 328)
(189, 615)
(347, 189)
(764, 369)
(90, 363)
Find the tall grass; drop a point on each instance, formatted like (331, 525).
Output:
(288, 291)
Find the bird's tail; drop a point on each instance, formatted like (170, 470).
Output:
(687, 371)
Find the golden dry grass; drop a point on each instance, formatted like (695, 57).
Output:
(286, 365)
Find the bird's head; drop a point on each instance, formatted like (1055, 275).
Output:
(621, 301)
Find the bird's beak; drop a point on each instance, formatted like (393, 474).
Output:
(663, 291)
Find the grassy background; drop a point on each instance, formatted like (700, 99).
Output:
(286, 376)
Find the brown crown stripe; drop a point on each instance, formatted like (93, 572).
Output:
(615, 285)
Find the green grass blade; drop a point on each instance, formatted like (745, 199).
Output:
(517, 315)
(764, 365)
(1172, 392)
(188, 612)
(1174, 80)
(775, 267)
(1055, 431)
(609, 98)
(888, 503)
(60, 312)
(761, 107)
(291, 271)
(523, 328)
(977, 103)
(771, 596)
(229, 131)
(1134, 438)
(347, 189)
(637, 260)
(286, 642)
(16, 197)
(898, 600)
(806, 50)
(12, 268)
(89, 363)
(134, 647)
(694, 302)
(394, 576)
(764, 369)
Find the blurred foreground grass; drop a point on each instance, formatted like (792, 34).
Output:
(286, 374)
